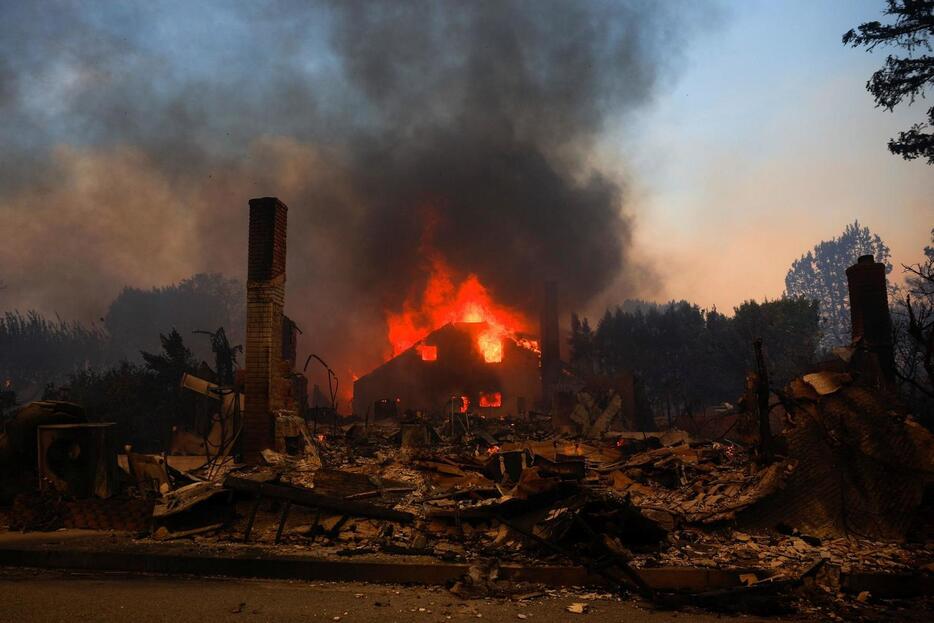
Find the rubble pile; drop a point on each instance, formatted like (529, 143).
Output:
(783, 555)
(619, 505)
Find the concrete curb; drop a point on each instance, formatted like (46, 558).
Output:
(280, 567)
(139, 558)
(50, 554)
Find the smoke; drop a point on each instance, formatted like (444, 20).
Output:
(134, 136)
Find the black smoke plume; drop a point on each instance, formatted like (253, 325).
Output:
(134, 134)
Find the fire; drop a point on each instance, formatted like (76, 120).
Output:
(529, 344)
(490, 343)
(491, 399)
(464, 404)
(427, 352)
(444, 300)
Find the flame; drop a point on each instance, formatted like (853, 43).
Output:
(491, 399)
(443, 300)
(490, 343)
(492, 450)
(427, 352)
(464, 404)
(528, 344)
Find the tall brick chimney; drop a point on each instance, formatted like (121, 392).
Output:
(869, 313)
(265, 388)
(551, 346)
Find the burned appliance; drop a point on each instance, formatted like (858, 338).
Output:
(79, 460)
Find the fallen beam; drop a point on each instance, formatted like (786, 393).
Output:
(308, 498)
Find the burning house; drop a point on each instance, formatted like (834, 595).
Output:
(454, 348)
(461, 366)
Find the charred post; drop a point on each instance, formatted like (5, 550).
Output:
(762, 403)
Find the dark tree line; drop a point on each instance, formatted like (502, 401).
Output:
(689, 358)
(202, 302)
(36, 350)
(128, 369)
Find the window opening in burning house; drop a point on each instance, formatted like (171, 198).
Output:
(491, 399)
(491, 345)
(427, 352)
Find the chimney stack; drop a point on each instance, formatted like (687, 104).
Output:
(265, 389)
(551, 346)
(869, 313)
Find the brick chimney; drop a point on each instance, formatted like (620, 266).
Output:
(265, 388)
(551, 347)
(869, 314)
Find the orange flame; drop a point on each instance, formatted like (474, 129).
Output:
(427, 352)
(444, 301)
(491, 399)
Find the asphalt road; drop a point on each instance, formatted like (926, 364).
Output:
(33, 595)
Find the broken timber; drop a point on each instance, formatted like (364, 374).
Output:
(305, 497)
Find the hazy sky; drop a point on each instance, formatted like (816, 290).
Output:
(134, 133)
(768, 143)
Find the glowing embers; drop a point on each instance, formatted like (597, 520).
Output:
(491, 399)
(427, 352)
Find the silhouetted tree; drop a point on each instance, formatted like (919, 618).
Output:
(581, 346)
(820, 275)
(902, 78)
(789, 330)
(174, 360)
(913, 327)
(202, 301)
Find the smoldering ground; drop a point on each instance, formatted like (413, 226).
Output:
(135, 133)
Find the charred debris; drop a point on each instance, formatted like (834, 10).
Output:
(814, 490)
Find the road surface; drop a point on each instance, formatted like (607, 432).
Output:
(40, 596)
